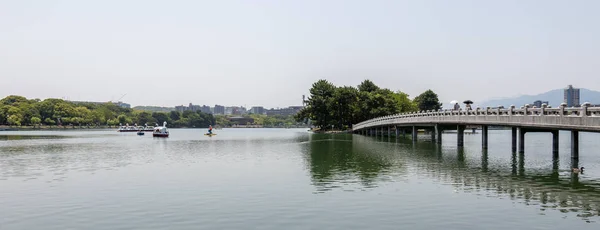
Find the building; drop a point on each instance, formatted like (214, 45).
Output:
(180, 108)
(289, 111)
(273, 112)
(228, 110)
(190, 107)
(571, 97)
(257, 110)
(194, 108)
(219, 109)
(205, 109)
(538, 103)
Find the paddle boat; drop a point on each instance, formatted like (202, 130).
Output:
(127, 128)
(161, 131)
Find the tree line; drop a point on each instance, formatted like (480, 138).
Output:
(341, 106)
(19, 111)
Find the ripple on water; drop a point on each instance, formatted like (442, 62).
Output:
(289, 180)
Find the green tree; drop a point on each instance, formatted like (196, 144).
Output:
(367, 86)
(175, 115)
(122, 119)
(13, 99)
(342, 106)
(161, 117)
(144, 117)
(49, 121)
(36, 121)
(14, 120)
(318, 104)
(428, 100)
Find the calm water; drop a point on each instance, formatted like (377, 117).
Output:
(290, 179)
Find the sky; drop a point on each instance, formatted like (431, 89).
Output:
(268, 53)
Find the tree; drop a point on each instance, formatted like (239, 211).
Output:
(14, 120)
(319, 103)
(161, 117)
(144, 117)
(367, 86)
(13, 99)
(342, 105)
(428, 100)
(174, 115)
(49, 121)
(36, 121)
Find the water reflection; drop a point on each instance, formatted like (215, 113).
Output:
(338, 162)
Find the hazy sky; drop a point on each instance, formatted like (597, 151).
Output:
(269, 53)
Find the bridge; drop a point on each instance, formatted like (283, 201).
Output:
(520, 120)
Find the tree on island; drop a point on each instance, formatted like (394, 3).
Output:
(428, 100)
(343, 106)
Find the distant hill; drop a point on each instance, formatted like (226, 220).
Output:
(154, 108)
(554, 98)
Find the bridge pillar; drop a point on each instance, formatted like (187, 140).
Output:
(403, 133)
(414, 133)
(460, 138)
(484, 137)
(574, 144)
(514, 139)
(521, 140)
(389, 131)
(555, 143)
(433, 135)
(438, 131)
(397, 131)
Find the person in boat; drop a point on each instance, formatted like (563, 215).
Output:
(209, 129)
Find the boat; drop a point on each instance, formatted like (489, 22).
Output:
(128, 128)
(210, 134)
(140, 133)
(135, 128)
(161, 131)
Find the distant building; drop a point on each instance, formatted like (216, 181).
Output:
(180, 108)
(219, 109)
(194, 108)
(273, 112)
(289, 111)
(205, 109)
(190, 107)
(257, 110)
(571, 96)
(539, 103)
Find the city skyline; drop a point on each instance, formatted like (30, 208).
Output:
(269, 52)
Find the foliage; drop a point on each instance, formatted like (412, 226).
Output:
(428, 100)
(36, 121)
(262, 120)
(18, 110)
(341, 107)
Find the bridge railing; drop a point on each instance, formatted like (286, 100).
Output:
(584, 111)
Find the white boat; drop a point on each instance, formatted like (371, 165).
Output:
(161, 131)
(128, 128)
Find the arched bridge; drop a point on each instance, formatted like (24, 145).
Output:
(523, 120)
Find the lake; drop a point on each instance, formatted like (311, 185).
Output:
(292, 179)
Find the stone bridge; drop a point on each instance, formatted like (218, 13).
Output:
(520, 120)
